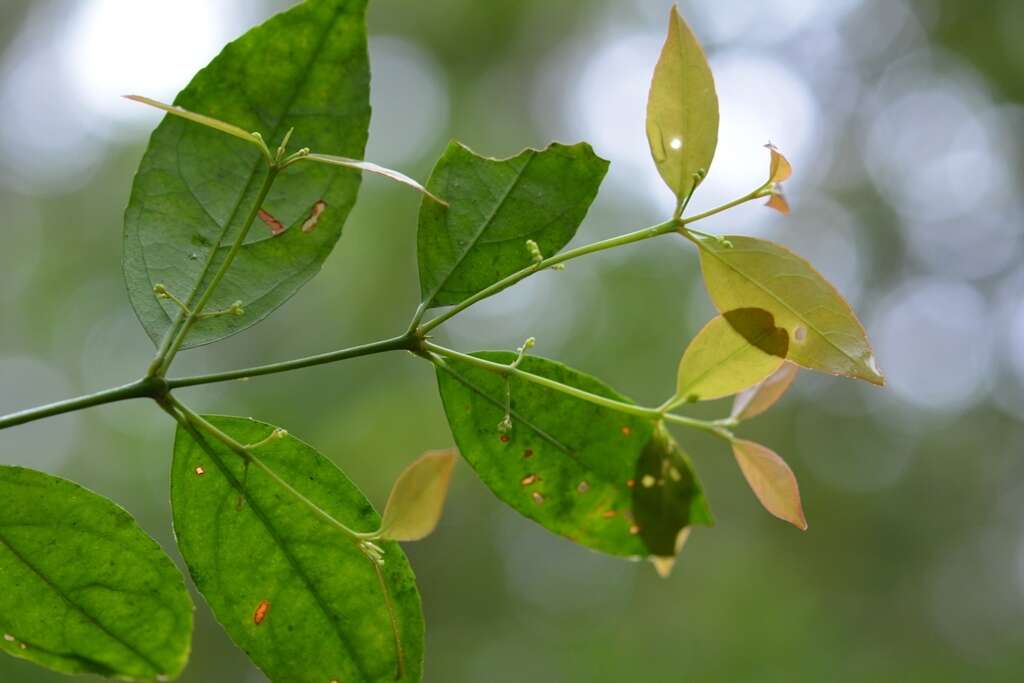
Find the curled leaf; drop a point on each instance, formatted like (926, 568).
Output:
(417, 498)
(734, 351)
(779, 168)
(760, 398)
(201, 119)
(371, 167)
(771, 481)
(778, 201)
(682, 110)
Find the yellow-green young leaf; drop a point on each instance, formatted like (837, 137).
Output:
(734, 351)
(682, 110)
(760, 398)
(771, 480)
(417, 499)
(825, 334)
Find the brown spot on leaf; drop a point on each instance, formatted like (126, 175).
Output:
(528, 453)
(537, 498)
(608, 514)
(529, 479)
(626, 430)
(261, 612)
(23, 646)
(276, 228)
(634, 529)
(8, 637)
(309, 224)
(505, 438)
(583, 487)
(200, 471)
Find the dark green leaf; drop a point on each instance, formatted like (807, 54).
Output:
(605, 479)
(495, 206)
(293, 591)
(825, 335)
(682, 110)
(82, 588)
(306, 68)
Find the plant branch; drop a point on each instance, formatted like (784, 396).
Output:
(167, 352)
(138, 389)
(505, 283)
(404, 343)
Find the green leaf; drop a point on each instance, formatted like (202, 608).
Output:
(771, 480)
(734, 351)
(306, 68)
(760, 398)
(84, 589)
(825, 334)
(604, 479)
(495, 206)
(293, 591)
(682, 110)
(417, 499)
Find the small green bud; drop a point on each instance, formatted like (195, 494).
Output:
(534, 250)
(161, 291)
(236, 309)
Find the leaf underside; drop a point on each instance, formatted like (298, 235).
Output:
(291, 590)
(495, 206)
(306, 68)
(85, 590)
(604, 479)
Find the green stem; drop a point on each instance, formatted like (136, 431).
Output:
(168, 351)
(181, 411)
(501, 285)
(404, 343)
(506, 370)
(138, 389)
(715, 427)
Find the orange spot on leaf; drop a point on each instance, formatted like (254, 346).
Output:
(261, 612)
(608, 514)
(626, 431)
(505, 438)
(529, 479)
(275, 225)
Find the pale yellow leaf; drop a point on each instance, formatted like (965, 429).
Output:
(682, 110)
(371, 167)
(417, 498)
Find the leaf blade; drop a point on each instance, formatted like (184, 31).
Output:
(731, 353)
(495, 206)
(299, 597)
(417, 498)
(305, 68)
(569, 465)
(758, 399)
(771, 480)
(682, 110)
(825, 334)
(85, 589)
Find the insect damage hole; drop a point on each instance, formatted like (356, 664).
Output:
(309, 224)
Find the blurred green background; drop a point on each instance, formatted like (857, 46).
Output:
(904, 123)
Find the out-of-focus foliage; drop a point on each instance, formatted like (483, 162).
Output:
(880, 104)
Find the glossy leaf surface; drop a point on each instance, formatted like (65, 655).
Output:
(605, 479)
(824, 332)
(682, 110)
(84, 589)
(293, 591)
(306, 68)
(495, 206)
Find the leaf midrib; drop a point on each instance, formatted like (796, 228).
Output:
(156, 668)
(486, 223)
(856, 361)
(289, 556)
(290, 100)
